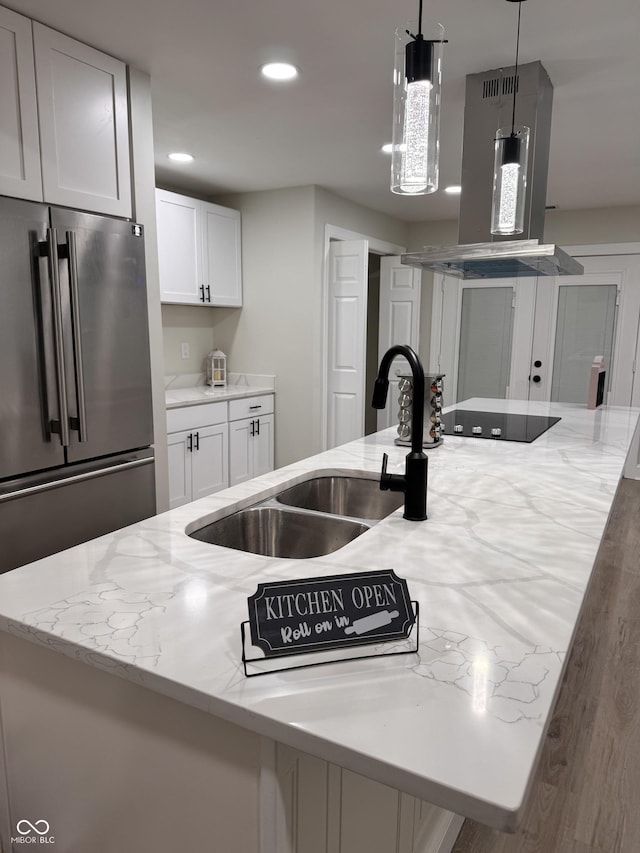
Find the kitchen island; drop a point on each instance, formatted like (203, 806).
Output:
(128, 722)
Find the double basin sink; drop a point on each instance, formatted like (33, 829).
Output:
(311, 519)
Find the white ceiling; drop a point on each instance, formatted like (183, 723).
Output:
(326, 128)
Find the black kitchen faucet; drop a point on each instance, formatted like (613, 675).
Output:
(414, 480)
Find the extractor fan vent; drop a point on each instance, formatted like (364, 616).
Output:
(498, 86)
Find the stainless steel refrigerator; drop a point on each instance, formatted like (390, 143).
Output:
(76, 459)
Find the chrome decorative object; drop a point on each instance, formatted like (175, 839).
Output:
(433, 385)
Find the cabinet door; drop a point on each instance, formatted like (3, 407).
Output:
(82, 107)
(240, 452)
(179, 468)
(178, 248)
(222, 270)
(210, 460)
(320, 807)
(19, 144)
(263, 445)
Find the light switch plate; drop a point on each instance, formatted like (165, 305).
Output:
(184, 350)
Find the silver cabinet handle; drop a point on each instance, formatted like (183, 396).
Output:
(62, 426)
(81, 423)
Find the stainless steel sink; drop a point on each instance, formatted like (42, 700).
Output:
(352, 496)
(275, 532)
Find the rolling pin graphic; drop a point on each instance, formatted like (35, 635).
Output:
(370, 623)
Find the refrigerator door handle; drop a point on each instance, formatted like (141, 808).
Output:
(79, 423)
(56, 483)
(50, 249)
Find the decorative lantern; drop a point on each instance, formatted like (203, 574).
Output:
(217, 369)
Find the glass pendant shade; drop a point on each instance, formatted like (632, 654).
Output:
(509, 180)
(416, 111)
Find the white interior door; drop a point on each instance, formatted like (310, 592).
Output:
(400, 287)
(347, 324)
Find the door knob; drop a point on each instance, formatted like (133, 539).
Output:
(536, 378)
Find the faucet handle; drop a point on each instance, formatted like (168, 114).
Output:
(385, 478)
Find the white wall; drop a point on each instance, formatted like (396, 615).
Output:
(145, 213)
(332, 209)
(187, 324)
(274, 332)
(570, 227)
(597, 225)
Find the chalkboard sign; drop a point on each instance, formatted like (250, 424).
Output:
(314, 614)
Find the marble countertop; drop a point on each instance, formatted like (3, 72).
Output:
(189, 389)
(176, 397)
(500, 569)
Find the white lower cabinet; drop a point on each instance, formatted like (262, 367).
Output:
(211, 447)
(198, 446)
(323, 808)
(198, 463)
(251, 438)
(210, 461)
(250, 448)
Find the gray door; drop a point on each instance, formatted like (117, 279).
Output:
(486, 334)
(28, 388)
(106, 334)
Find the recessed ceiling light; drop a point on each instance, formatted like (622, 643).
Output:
(180, 157)
(279, 71)
(453, 190)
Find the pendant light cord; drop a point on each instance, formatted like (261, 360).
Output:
(420, 18)
(515, 76)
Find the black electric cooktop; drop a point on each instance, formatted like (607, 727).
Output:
(495, 425)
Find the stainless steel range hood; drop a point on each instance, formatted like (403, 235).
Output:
(496, 260)
(488, 105)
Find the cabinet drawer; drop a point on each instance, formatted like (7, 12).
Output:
(250, 406)
(192, 417)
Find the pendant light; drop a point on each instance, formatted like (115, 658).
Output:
(510, 167)
(416, 110)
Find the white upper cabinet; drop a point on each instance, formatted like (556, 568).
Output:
(221, 264)
(19, 143)
(198, 251)
(84, 132)
(64, 120)
(178, 249)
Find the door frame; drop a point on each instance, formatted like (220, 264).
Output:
(440, 321)
(376, 247)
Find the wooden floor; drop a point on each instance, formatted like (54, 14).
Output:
(586, 793)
